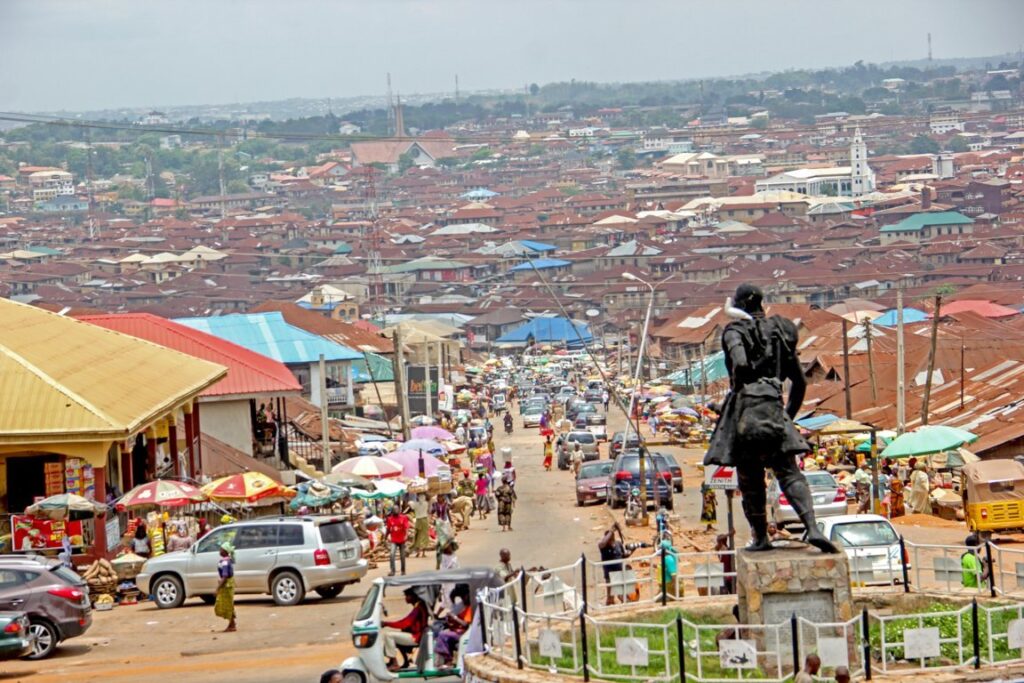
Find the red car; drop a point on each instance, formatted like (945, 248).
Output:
(592, 482)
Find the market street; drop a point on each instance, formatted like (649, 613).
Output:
(276, 644)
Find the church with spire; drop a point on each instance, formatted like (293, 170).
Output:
(422, 151)
(855, 180)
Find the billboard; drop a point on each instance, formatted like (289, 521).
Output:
(416, 376)
(34, 533)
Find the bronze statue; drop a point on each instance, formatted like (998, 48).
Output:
(753, 431)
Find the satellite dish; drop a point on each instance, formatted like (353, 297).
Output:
(593, 312)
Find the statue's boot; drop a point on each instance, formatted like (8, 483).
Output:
(759, 531)
(799, 495)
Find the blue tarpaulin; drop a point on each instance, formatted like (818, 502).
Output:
(910, 315)
(554, 330)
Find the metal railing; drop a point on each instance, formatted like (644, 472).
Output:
(551, 619)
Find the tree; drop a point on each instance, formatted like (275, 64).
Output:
(534, 89)
(405, 162)
(922, 144)
(760, 123)
(958, 144)
(626, 159)
(238, 186)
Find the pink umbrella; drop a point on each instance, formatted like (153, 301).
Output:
(434, 433)
(410, 462)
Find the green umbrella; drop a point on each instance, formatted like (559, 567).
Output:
(927, 440)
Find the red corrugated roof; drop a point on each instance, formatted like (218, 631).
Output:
(249, 373)
(985, 309)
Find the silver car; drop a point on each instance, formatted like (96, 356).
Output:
(283, 556)
(829, 499)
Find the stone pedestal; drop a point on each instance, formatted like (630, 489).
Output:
(775, 584)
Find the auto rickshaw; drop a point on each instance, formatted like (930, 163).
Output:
(993, 495)
(369, 665)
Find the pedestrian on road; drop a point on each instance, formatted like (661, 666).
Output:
(483, 500)
(549, 453)
(810, 670)
(224, 607)
(920, 488)
(421, 526)
(613, 550)
(577, 458)
(330, 676)
(460, 434)
(397, 527)
(726, 558)
(504, 570)
(709, 509)
(463, 507)
(605, 398)
(972, 567)
(506, 496)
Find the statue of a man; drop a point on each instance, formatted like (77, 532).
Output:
(753, 431)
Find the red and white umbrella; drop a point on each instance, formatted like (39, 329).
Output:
(163, 493)
(370, 466)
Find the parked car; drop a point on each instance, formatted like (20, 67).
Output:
(15, 637)
(829, 499)
(668, 462)
(586, 440)
(531, 416)
(283, 556)
(620, 443)
(868, 539)
(625, 476)
(586, 410)
(592, 482)
(55, 598)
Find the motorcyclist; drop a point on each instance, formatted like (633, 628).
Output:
(508, 423)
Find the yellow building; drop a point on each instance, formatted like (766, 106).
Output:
(83, 397)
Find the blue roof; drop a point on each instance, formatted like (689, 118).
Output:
(479, 193)
(537, 246)
(692, 375)
(541, 264)
(549, 330)
(270, 335)
(817, 422)
(910, 315)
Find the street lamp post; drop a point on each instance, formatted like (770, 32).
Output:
(638, 389)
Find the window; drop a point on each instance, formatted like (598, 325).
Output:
(211, 543)
(337, 532)
(13, 578)
(290, 534)
(256, 536)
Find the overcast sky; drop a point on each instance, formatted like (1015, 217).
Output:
(92, 54)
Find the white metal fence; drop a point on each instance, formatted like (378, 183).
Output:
(551, 619)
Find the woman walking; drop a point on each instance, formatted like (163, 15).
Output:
(421, 527)
(224, 607)
(549, 453)
(506, 496)
(483, 502)
(709, 509)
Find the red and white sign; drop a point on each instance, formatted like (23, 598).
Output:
(34, 533)
(721, 477)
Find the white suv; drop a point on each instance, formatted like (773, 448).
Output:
(283, 556)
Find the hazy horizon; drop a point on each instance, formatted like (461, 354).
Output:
(105, 54)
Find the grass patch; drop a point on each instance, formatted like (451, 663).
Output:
(659, 631)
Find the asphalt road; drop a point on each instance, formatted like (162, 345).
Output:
(284, 644)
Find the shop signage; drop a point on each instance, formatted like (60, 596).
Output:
(31, 533)
(721, 477)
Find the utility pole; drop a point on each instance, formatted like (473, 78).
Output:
(901, 399)
(429, 386)
(931, 361)
(962, 370)
(325, 428)
(220, 173)
(871, 361)
(846, 373)
(400, 384)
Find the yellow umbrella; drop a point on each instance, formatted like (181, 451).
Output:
(844, 427)
(246, 486)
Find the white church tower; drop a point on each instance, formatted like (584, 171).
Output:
(862, 178)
